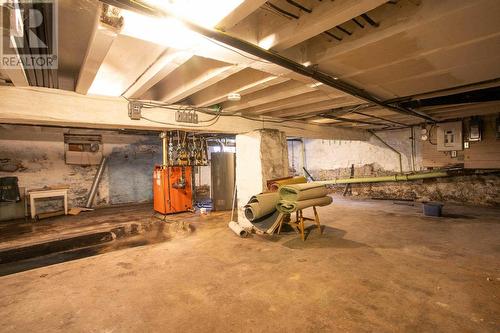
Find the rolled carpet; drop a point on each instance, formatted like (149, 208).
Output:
(275, 185)
(285, 206)
(300, 192)
(261, 205)
(267, 224)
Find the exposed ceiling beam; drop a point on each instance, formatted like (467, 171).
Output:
(408, 18)
(43, 106)
(354, 121)
(166, 64)
(315, 108)
(172, 59)
(243, 82)
(279, 91)
(259, 52)
(325, 16)
(16, 73)
(195, 75)
(246, 8)
(100, 43)
(126, 60)
(297, 100)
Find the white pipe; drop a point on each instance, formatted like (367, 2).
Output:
(95, 183)
(235, 227)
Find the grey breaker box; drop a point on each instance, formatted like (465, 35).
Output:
(449, 136)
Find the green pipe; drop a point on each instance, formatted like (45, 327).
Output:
(381, 179)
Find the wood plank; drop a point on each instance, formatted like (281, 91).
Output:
(279, 91)
(100, 43)
(169, 61)
(316, 107)
(244, 82)
(323, 17)
(246, 8)
(43, 106)
(193, 76)
(302, 99)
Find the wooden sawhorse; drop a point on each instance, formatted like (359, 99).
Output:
(298, 224)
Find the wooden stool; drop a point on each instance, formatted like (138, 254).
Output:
(298, 224)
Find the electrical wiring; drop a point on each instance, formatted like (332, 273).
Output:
(358, 107)
(217, 114)
(429, 136)
(180, 125)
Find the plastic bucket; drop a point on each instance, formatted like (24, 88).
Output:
(432, 208)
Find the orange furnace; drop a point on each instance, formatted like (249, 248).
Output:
(172, 189)
(172, 185)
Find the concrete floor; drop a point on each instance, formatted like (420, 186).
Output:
(378, 267)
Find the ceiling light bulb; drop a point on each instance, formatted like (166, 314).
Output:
(234, 97)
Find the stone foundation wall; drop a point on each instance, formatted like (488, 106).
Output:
(473, 190)
(36, 155)
(332, 159)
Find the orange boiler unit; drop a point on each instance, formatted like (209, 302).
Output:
(172, 189)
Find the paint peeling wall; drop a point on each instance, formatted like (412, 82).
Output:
(38, 155)
(333, 159)
(260, 155)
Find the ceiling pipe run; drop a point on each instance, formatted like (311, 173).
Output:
(270, 56)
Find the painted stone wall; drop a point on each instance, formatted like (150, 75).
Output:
(38, 155)
(260, 155)
(333, 159)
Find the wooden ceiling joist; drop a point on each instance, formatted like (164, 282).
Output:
(325, 16)
(166, 64)
(99, 45)
(244, 82)
(193, 76)
(276, 92)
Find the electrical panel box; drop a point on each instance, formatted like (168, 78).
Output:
(498, 127)
(449, 136)
(134, 110)
(475, 129)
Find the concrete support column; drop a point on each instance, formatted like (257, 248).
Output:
(260, 155)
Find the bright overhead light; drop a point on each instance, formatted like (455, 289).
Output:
(105, 82)
(163, 31)
(170, 31)
(307, 63)
(315, 84)
(167, 31)
(206, 13)
(267, 42)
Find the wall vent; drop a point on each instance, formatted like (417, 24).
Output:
(83, 149)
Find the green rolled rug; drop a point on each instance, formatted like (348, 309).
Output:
(261, 205)
(289, 207)
(275, 185)
(299, 192)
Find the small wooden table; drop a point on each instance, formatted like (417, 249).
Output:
(47, 194)
(298, 224)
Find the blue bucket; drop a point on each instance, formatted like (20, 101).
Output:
(432, 208)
